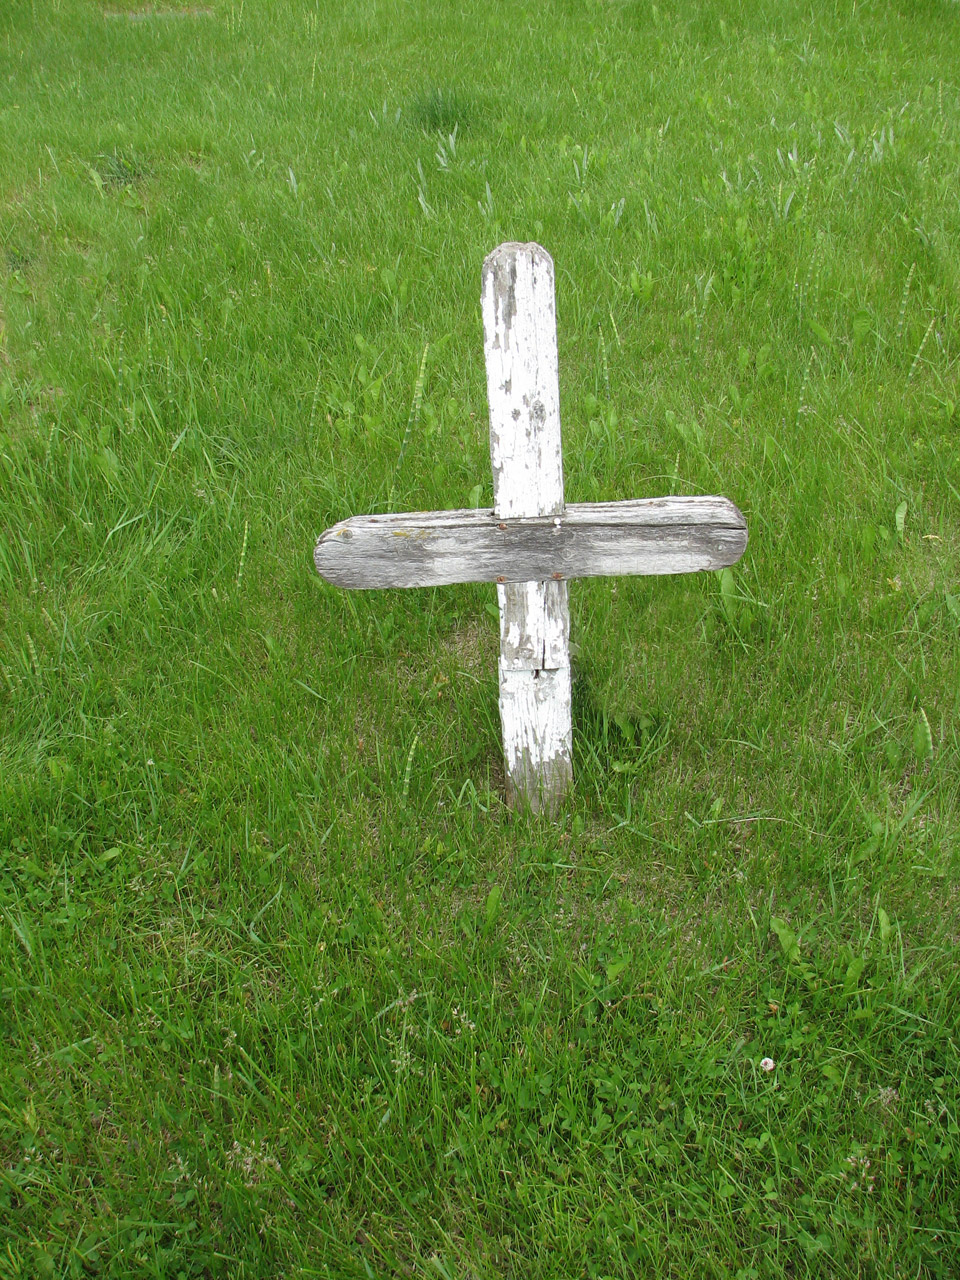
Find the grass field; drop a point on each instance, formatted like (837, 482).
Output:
(284, 987)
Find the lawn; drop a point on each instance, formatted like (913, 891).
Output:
(285, 987)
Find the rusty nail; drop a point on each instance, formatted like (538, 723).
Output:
(501, 578)
(558, 576)
(501, 526)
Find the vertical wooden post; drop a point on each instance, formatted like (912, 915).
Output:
(520, 346)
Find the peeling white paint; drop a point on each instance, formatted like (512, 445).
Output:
(523, 391)
(535, 705)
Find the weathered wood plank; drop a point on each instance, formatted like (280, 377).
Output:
(523, 392)
(538, 751)
(534, 626)
(590, 539)
(523, 388)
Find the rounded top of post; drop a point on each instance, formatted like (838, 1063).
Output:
(513, 249)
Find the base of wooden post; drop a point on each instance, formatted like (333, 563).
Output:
(535, 693)
(537, 736)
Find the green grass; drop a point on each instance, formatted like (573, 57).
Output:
(284, 988)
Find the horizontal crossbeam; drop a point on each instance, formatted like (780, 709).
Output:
(588, 539)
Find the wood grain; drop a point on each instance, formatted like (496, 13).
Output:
(596, 539)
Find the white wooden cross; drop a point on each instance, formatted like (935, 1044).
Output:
(530, 543)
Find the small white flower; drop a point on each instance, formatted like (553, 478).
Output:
(767, 1064)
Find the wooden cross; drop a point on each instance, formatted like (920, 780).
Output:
(530, 543)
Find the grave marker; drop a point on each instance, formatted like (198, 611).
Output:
(530, 543)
